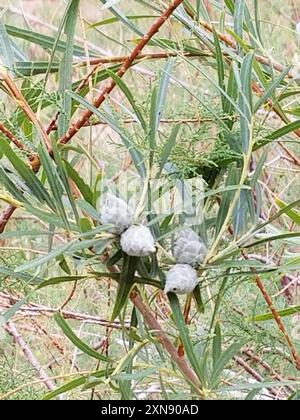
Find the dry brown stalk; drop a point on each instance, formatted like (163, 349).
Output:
(33, 310)
(12, 330)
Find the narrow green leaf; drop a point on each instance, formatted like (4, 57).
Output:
(126, 283)
(220, 67)
(27, 174)
(66, 68)
(58, 280)
(44, 41)
(293, 214)
(54, 182)
(238, 18)
(116, 19)
(245, 100)
(284, 312)
(217, 341)
(183, 332)
(70, 248)
(271, 89)
(76, 383)
(286, 129)
(223, 361)
(271, 238)
(168, 147)
(129, 96)
(6, 50)
(198, 299)
(85, 190)
(76, 340)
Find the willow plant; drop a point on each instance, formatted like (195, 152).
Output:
(193, 110)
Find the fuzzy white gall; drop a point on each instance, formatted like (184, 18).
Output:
(137, 241)
(181, 279)
(116, 212)
(189, 248)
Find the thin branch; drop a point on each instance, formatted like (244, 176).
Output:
(232, 44)
(12, 330)
(278, 320)
(11, 137)
(76, 126)
(69, 297)
(21, 101)
(153, 324)
(5, 216)
(147, 56)
(33, 310)
(251, 355)
(241, 362)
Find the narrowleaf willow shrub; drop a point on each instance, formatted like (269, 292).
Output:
(194, 101)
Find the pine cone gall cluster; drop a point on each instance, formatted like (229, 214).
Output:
(136, 240)
(189, 248)
(181, 279)
(189, 251)
(116, 212)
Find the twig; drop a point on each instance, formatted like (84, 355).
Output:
(12, 330)
(21, 101)
(193, 120)
(11, 137)
(266, 366)
(5, 216)
(69, 298)
(276, 315)
(232, 44)
(240, 361)
(278, 320)
(152, 323)
(37, 310)
(147, 56)
(76, 126)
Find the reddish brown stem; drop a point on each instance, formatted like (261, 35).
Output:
(278, 320)
(152, 323)
(5, 216)
(21, 101)
(75, 127)
(147, 56)
(11, 137)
